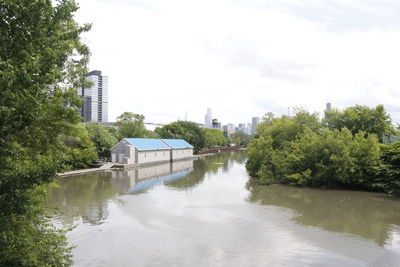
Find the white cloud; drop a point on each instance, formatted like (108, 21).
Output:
(244, 58)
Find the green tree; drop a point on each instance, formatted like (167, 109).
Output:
(331, 159)
(42, 61)
(151, 134)
(214, 138)
(299, 151)
(188, 131)
(285, 129)
(130, 125)
(80, 151)
(273, 135)
(388, 178)
(103, 138)
(239, 138)
(361, 118)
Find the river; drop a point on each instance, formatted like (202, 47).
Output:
(208, 212)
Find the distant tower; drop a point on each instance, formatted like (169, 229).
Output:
(248, 128)
(328, 106)
(95, 107)
(208, 119)
(216, 124)
(242, 127)
(254, 122)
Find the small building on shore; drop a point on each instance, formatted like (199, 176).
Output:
(146, 150)
(140, 150)
(180, 149)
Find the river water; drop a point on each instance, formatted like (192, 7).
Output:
(207, 212)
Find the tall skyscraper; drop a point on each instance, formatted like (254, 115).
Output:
(228, 129)
(248, 128)
(208, 119)
(328, 106)
(254, 122)
(95, 107)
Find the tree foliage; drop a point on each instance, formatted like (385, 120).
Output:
(80, 151)
(389, 174)
(130, 125)
(42, 61)
(103, 138)
(299, 150)
(360, 118)
(186, 130)
(239, 138)
(214, 138)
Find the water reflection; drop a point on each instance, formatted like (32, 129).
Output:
(369, 215)
(206, 212)
(207, 165)
(86, 196)
(139, 180)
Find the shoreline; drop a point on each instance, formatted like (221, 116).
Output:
(136, 165)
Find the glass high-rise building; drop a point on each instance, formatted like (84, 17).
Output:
(95, 107)
(328, 106)
(254, 122)
(208, 119)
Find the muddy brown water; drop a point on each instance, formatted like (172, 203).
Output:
(208, 212)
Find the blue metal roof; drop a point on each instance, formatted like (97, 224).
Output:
(177, 143)
(147, 144)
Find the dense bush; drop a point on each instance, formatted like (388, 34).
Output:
(79, 150)
(103, 137)
(299, 150)
(389, 175)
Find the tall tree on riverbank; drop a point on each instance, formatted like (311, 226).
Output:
(186, 130)
(240, 138)
(214, 138)
(361, 118)
(103, 138)
(42, 62)
(130, 125)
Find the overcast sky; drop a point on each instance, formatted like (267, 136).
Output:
(243, 58)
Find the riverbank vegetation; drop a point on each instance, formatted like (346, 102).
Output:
(103, 137)
(131, 125)
(42, 62)
(202, 138)
(186, 130)
(343, 150)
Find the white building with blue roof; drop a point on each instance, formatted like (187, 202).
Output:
(145, 150)
(180, 149)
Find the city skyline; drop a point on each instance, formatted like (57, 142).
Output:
(279, 54)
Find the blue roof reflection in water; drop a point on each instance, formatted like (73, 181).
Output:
(162, 179)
